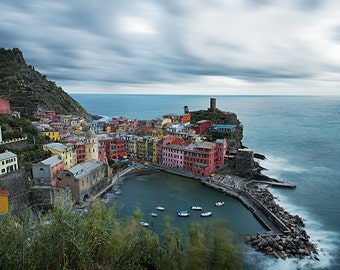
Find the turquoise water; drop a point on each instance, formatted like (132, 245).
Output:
(298, 135)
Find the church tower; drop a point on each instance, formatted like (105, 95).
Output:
(91, 146)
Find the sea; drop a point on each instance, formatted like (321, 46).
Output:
(300, 138)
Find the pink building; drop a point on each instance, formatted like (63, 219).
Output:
(4, 106)
(173, 156)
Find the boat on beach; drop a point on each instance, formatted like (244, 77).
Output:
(219, 203)
(196, 208)
(160, 208)
(206, 214)
(183, 213)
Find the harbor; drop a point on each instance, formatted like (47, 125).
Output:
(283, 236)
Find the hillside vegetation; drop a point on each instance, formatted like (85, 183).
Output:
(26, 88)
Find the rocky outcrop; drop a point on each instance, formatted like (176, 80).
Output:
(294, 243)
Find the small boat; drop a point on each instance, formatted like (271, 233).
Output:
(196, 208)
(145, 224)
(160, 208)
(183, 213)
(153, 214)
(206, 214)
(219, 203)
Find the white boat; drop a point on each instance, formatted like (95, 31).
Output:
(153, 214)
(160, 208)
(196, 208)
(219, 203)
(145, 224)
(183, 213)
(206, 214)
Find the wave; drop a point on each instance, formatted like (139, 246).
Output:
(276, 165)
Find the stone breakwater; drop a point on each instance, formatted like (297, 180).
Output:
(294, 243)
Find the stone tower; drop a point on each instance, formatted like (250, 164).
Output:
(91, 146)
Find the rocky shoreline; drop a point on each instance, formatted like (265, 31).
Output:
(293, 244)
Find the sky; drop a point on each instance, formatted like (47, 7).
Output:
(219, 47)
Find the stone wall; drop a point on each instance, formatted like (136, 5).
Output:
(15, 184)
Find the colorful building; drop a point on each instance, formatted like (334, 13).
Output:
(67, 152)
(4, 106)
(4, 194)
(54, 135)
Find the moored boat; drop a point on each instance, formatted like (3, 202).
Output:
(153, 214)
(145, 224)
(206, 214)
(183, 213)
(160, 208)
(219, 203)
(194, 207)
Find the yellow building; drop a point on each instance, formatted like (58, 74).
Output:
(54, 135)
(4, 201)
(67, 152)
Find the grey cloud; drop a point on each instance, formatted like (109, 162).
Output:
(87, 42)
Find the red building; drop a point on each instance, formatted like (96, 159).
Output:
(113, 147)
(202, 159)
(80, 150)
(4, 106)
(201, 126)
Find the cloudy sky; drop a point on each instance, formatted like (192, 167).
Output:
(220, 47)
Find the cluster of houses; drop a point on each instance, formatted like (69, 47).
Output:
(82, 150)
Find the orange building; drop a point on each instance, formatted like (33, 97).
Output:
(185, 118)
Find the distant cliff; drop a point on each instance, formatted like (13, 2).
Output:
(26, 89)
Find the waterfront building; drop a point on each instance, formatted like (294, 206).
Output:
(8, 162)
(85, 179)
(67, 152)
(202, 158)
(173, 154)
(130, 144)
(46, 171)
(142, 148)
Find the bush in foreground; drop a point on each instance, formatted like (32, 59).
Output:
(64, 239)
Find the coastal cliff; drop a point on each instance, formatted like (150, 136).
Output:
(26, 89)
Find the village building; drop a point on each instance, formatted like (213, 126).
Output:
(67, 152)
(46, 171)
(8, 162)
(4, 194)
(5, 107)
(85, 179)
